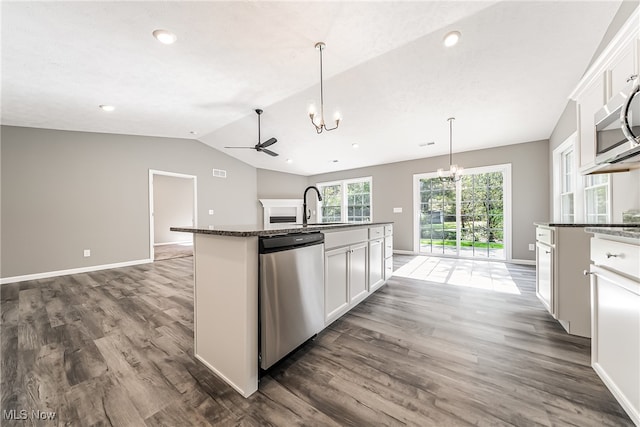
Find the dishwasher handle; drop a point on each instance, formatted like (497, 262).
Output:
(269, 244)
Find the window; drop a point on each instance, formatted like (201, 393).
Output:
(345, 201)
(567, 210)
(596, 199)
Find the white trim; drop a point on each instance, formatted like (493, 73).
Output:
(153, 172)
(627, 33)
(402, 252)
(182, 242)
(505, 168)
(57, 273)
(557, 174)
(522, 261)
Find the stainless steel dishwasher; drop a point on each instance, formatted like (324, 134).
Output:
(291, 293)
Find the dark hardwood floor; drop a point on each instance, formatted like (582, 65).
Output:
(114, 348)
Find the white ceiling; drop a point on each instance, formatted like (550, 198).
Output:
(386, 71)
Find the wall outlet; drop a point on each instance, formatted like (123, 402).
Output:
(532, 247)
(397, 210)
(87, 253)
(210, 211)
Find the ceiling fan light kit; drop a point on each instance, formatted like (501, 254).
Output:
(318, 120)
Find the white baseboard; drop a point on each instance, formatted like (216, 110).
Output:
(401, 252)
(522, 261)
(174, 243)
(49, 274)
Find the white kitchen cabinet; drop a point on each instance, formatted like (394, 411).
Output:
(588, 103)
(356, 263)
(562, 254)
(544, 275)
(336, 288)
(376, 264)
(606, 77)
(615, 301)
(358, 283)
(388, 251)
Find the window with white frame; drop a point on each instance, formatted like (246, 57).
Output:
(345, 201)
(597, 201)
(567, 186)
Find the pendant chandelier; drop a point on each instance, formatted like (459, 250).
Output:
(454, 173)
(318, 120)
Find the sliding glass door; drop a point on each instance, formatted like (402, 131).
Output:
(466, 218)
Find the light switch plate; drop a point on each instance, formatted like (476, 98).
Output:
(397, 210)
(532, 247)
(87, 253)
(210, 211)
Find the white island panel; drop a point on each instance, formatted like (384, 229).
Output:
(226, 308)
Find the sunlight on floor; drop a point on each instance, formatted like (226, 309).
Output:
(492, 276)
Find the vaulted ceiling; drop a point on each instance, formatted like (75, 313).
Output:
(385, 67)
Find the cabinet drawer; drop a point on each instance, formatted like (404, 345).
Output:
(544, 235)
(388, 246)
(388, 229)
(336, 239)
(388, 268)
(376, 232)
(617, 256)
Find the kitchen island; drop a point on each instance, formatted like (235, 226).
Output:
(226, 273)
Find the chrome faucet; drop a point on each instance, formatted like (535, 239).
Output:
(304, 203)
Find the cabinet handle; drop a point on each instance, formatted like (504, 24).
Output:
(540, 235)
(632, 77)
(610, 255)
(586, 272)
(547, 252)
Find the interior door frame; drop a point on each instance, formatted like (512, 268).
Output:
(152, 173)
(506, 208)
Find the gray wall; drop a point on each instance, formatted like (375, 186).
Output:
(172, 205)
(63, 192)
(393, 187)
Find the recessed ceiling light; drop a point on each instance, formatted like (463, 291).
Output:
(107, 107)
(452, 38)
(355, 145)
(164, 36)
(289, 161)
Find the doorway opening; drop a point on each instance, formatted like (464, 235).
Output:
(172, 202)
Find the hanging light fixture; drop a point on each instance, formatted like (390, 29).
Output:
(318, 120)
(454, 173)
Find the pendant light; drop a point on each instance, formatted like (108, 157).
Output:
(318, 121)
(454, 173)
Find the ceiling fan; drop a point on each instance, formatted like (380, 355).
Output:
(262, 146)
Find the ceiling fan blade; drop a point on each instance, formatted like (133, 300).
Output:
(268, 142)
(253, 148)
(269, 152)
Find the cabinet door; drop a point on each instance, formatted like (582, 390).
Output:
(336, 285)
(615, 343)
(358, 261)
(622, 67)
(376, 264)
(544, 275)
(588, 104)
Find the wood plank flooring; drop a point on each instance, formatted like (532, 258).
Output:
(115, 348)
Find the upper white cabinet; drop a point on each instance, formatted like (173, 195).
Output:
(607, 76)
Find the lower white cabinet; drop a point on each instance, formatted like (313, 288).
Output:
(544, 276)
(615, 321)
(336, 288)
(376, 264)
(357, 263)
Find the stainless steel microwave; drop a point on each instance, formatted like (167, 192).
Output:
(618, 127)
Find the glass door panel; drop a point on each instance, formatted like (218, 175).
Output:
(473, 226)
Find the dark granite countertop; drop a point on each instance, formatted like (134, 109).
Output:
(259, 230)
(560, 224)
(630, 232)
